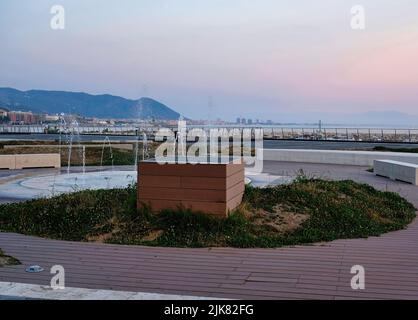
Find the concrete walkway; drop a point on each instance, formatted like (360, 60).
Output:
(21, 291)
(306, 272)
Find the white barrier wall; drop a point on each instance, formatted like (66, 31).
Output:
(354, 158)
(7, 162)
(396, 170)
(22, 161)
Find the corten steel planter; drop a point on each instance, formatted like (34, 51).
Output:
(214, 189)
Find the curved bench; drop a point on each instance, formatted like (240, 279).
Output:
(396, 170)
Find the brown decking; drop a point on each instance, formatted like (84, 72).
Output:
(306, 272)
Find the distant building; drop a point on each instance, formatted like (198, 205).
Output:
(3, 116)
(243, 121)
(20, 117)
(250, 121)
(238, 121)
(51, 118)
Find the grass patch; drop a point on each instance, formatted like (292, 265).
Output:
(389, 149)
(307, 211)
(7, 260)
(117, 157)
(93, 152)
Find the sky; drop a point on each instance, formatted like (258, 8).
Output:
(219, 58)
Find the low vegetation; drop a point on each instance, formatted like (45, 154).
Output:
(95, 154)
(389, 149)
(7, 260)
(307, 211)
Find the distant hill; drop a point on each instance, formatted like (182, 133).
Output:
(99, 106)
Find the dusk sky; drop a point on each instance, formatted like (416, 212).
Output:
(256, 59)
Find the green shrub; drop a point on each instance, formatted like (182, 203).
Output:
(332, 210)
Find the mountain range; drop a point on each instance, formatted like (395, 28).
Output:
(99, 106)
(107, 106)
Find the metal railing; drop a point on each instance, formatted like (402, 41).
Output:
(344, 134)
(270, 132)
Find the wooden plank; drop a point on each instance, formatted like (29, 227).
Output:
(234, 169)
(203, 183)
(184, 170)
(159, 181)
(200, 195)
(211, 183)
(235, 201)
(215, 208)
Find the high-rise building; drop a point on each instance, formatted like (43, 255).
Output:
(238, 121)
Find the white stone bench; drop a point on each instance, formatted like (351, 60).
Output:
(23, 161)
(344, 157)
(396, 170)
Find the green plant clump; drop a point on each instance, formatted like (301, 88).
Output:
(7, 260)
(306, 211)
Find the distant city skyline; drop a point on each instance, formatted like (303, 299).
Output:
(263, 59)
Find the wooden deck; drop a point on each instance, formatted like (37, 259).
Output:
(306, 272)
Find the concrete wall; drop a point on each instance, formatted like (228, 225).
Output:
(354, 158)
(22, 161)
(396, 170)
(7, 162)
(123, 146)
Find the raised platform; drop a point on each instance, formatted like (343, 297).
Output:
(25, 161)
(352, 158)
(395, 170)
(303, 272)
(211, 188)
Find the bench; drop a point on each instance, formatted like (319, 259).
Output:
(26, 161)
(396, 170)
(344, 157)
